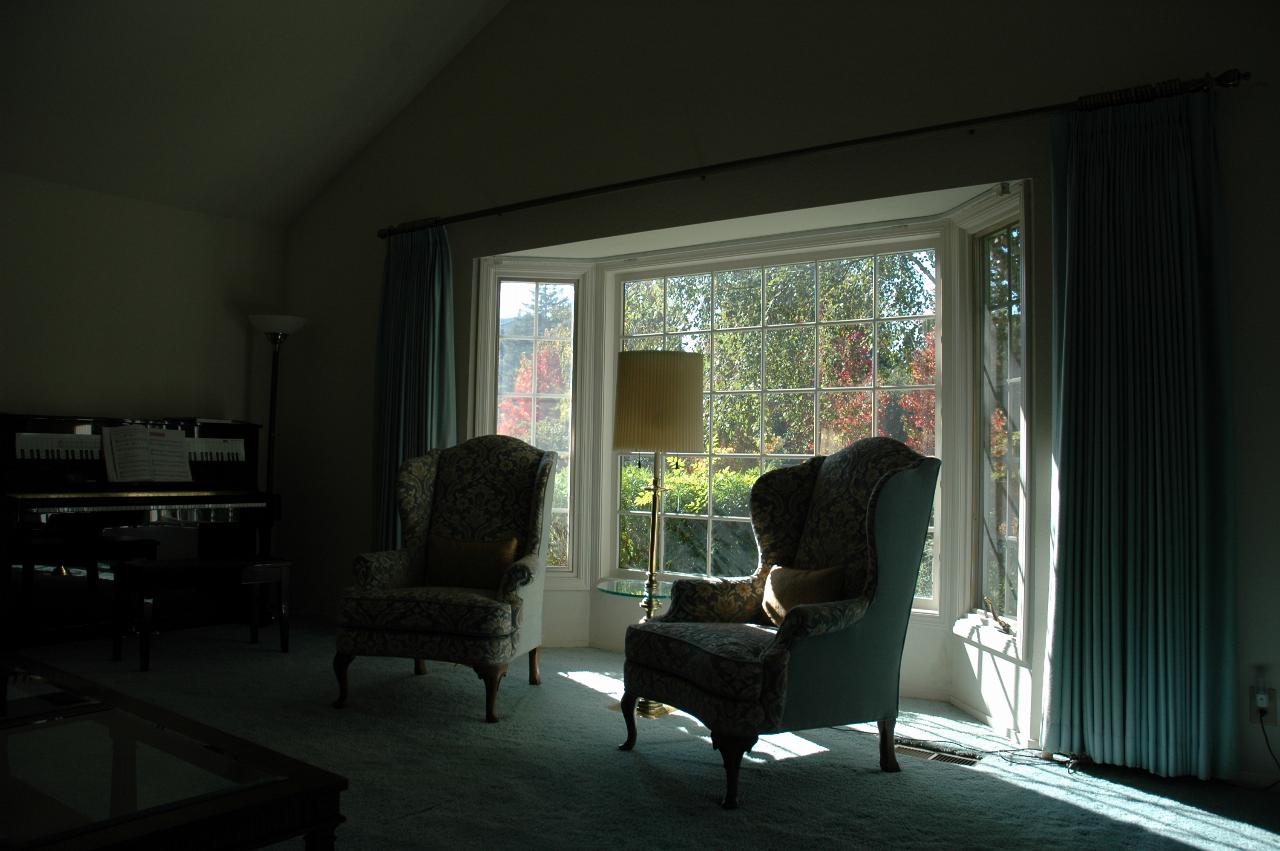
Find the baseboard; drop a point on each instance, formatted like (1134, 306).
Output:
(1010, 735)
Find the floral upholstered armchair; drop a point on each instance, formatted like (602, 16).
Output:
(814, 637)
(466, 587)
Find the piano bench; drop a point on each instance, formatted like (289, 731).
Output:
(144, 579)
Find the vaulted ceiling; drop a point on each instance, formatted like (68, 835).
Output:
(242, 108)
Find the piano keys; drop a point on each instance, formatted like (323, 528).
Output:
(59, 507)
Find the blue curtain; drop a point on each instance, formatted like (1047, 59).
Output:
(1142, 666)
(416, 402)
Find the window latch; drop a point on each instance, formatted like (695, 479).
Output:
(1000, 622)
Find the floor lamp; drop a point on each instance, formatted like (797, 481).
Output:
(277, 328)
(658, 409)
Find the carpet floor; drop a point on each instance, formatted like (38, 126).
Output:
(426, 771)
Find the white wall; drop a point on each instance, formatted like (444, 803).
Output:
(555, 96)
(117, 307)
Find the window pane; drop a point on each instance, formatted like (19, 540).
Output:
(555, 311)
(731, 486)
(844, 352)
(908, 283)
(1000, 438)
(737, 298)
(635, 473)
(790, 291)
(642, 344)
(685, 485)
(924, 580)
(844, 289)
(735, 424)
(555, 366)
(906, 352)
(908, 415)
(689, 303)
(516, 316)
(552, 427)
(736, 360)
(633, 541)
(535, 383)
(693, 343)
(684, 547)
(515, 366)
(733, 548)
(642, 307)
(515, 416)
(788, 423)
(843, 417)
(561, 498)
(788, 357)
(558, 542)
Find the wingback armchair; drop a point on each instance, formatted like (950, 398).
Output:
(466, 586)
(814, 637)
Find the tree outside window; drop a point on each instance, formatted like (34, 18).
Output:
(535, 384)
(801, 359)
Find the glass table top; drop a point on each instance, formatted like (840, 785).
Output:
(73, 760)
(632, 588)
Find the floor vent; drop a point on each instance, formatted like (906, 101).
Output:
(936, 756)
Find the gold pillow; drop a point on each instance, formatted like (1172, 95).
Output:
(468, 564)
(786, 587)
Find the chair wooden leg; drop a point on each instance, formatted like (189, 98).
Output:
(888, 756)
(535, 666)
(419, 666)
(629, 716)
(492, 676)
(341, 661)
(731, 750)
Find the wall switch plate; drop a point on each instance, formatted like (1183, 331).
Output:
(1272, 709)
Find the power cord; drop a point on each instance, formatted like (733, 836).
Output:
(1262, 725)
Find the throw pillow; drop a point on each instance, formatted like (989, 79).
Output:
(786, 587)
(468, 564)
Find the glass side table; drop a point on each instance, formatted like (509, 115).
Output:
(634, 588)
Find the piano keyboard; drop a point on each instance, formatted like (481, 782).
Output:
(31, 446)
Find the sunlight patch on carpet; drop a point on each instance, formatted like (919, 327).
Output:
(603, 683)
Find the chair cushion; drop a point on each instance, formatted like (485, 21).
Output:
(468, 564)
(786, 587)
(456, 611)
(725, 659)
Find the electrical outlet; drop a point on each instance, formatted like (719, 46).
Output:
(1259, 699)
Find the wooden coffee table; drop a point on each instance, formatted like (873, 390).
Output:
(84, 767)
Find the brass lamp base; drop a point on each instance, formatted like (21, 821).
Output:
(651, 708)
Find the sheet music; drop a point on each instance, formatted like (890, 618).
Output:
(135, 453)
(169, 456)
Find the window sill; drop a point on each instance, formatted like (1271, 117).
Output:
(979, 630)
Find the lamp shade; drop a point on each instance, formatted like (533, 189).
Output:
(275, 323)
(658, 404)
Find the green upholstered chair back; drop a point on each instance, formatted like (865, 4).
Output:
(488, 488)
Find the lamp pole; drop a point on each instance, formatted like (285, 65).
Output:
(277, 329)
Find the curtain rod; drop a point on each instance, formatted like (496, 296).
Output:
(1227, 79)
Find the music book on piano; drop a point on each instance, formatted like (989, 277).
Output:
(135, 453)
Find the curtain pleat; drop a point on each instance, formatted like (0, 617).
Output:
(1142, 660)
(416, 407)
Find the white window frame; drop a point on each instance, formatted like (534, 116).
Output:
(968, 225)
(584, 425)
(593, 514)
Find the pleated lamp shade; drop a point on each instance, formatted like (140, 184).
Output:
(658, 404)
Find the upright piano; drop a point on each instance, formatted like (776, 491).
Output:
(60, 509)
